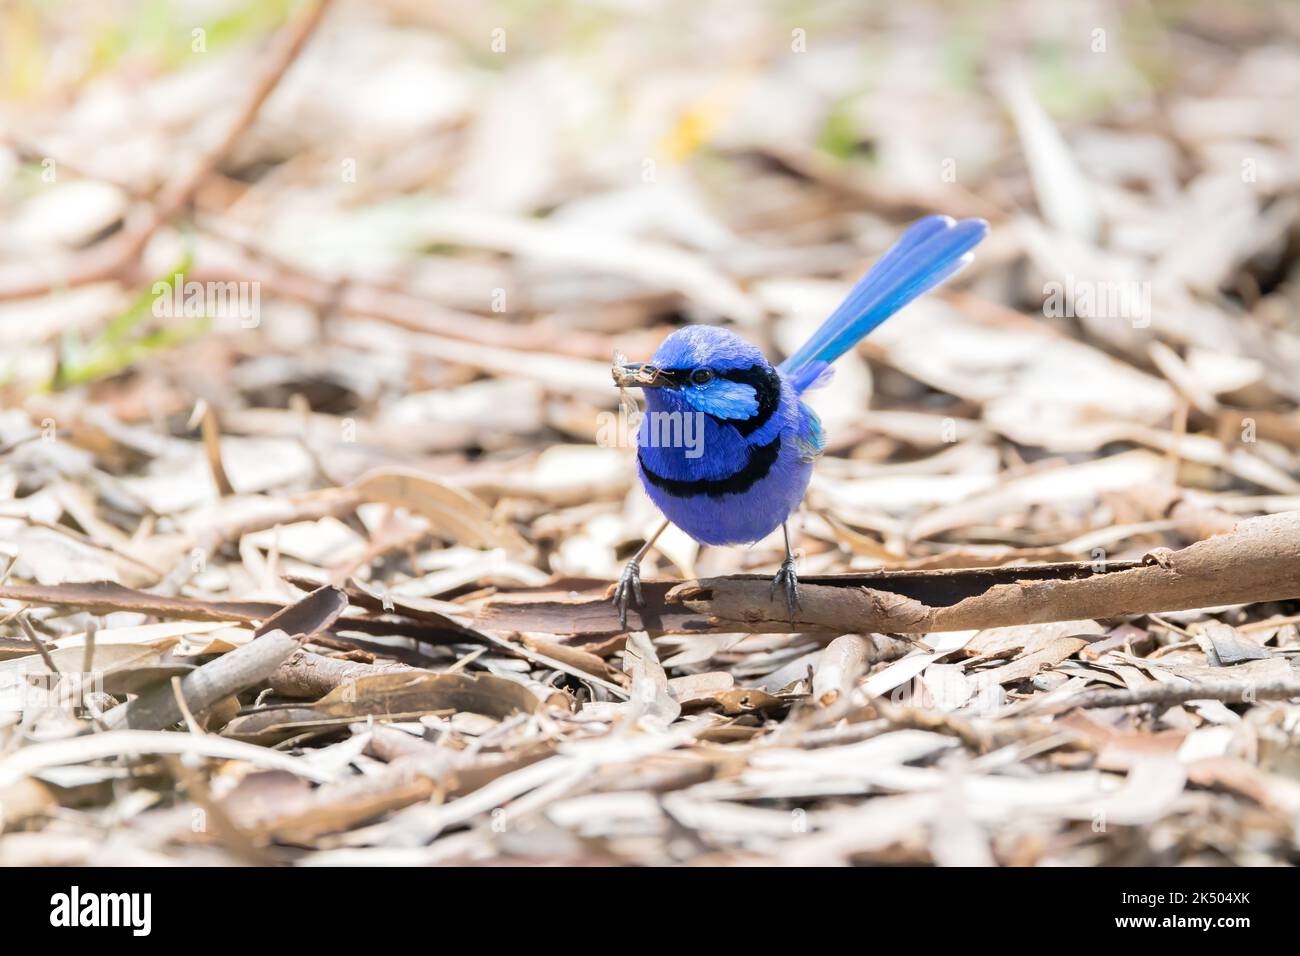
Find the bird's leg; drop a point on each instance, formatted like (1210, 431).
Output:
(787, 579)
(628, 590)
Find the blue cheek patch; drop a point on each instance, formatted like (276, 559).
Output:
(723, 399)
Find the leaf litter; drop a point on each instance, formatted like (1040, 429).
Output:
(337, 574)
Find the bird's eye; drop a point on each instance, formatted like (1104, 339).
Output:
(702, 376)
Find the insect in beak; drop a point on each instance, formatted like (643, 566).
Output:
(638, 375)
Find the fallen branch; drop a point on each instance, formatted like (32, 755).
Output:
(278, 637)
(312, 676)
(107, 597)
(229, 674)
(1259, 560)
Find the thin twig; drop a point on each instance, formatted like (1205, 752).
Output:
(35, 638)
(88, 650)
(184, 708)
(1229, 691)
(211, 431)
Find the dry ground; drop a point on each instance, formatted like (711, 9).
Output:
(442, 220)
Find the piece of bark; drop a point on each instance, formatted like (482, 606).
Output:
(578, 659)
(1258, 561)
(1224, 647)
(211, 433)
(314, 613)
(388, 695)
(342, 805)
(388, 744)
(694, 689)
(841, 664)
(1023, 668)
(1126, 635)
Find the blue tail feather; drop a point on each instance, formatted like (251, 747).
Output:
(809, 376)
(932, 250)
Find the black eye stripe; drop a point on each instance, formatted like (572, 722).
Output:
(765, 381)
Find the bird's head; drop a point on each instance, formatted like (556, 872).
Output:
(709, 369)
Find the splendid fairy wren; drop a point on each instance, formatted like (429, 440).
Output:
(756, 440)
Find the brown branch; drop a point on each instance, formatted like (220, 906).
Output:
(1259, 560)
(284, 50)
(106, 597)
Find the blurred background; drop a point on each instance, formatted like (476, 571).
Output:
(234, 271)
(450, 215)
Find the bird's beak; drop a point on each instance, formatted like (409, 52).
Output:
(638, 375)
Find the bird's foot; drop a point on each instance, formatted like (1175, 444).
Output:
(788, 580)
(628, 591)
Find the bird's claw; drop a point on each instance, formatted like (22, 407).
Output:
(628, 591)
(787, 579)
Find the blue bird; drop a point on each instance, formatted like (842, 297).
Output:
(726, 447)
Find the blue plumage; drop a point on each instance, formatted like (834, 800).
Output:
(751, 474)
(933, 249)
(753, 440)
